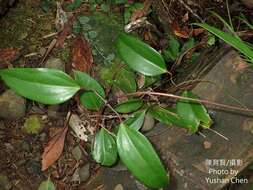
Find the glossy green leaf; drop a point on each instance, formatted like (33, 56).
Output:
(233, 41)
(137, 153)
(140, 56)
(125, 81)
(74, 5)
(167, 116)
(136, 120)
(47, 185)
(47, 86)
(172, 52)
(129, 106)
(105, 148)
(194, 113)
(90, 99)
(88, 83)
(188, 45)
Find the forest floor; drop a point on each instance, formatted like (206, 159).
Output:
(44, 34)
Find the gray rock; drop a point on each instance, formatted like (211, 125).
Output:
(55, 63)
(148, 124)
(84, 172)
(12, 106)
(77, 153)
(4, 182)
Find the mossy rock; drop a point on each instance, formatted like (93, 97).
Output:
(33, 125)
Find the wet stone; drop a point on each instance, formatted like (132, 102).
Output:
(77, 153)
(84, 172)
(55, 63)
(148, 124)
(12, 106)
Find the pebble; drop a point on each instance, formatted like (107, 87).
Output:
(55, 63)
(12, 106)
(77, 153)
(148, 124)
(207, 144)
(84, 172)
(43, 137)
(119, 187)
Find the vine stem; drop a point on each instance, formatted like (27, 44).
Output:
(108, 105)
(190, 99)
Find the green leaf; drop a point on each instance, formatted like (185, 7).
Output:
(140, 56)
(188, 45)
(105, 148)
(233, 41)
(172, 51)
(125, 81)
(137, 153)
(129, 106)
(90, 100)
(193, 112)
(136, 120)
(47, 86)
(74, 5)
(88, 83)
(47, 185)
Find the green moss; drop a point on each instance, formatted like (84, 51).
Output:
(33, 125)
(25, 26)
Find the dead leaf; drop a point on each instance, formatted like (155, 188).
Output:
(139, 13)
(79, 127)
(61, 17)
(54, 149)
(82, 59)
(182, 33)
(7, 55)
(197, 31)
(185, 17)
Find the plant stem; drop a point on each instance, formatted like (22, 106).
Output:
(109, 106)
(190, 99)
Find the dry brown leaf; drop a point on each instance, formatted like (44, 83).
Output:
(82, 59)
(141, 12)
(197, 31)
(8, 55)
(54, 149)
(182, 33)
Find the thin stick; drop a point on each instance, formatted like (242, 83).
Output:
(201, 134)
(109, 106)
(218, 134)
(229, 16)
(190, 99)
